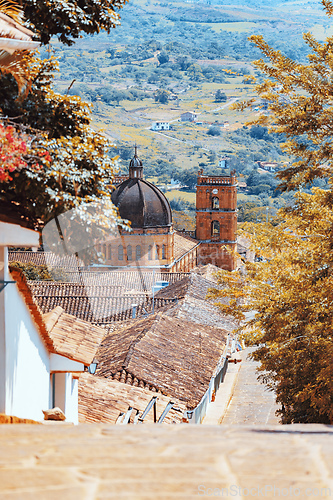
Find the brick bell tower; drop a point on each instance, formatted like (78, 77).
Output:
(216, 219)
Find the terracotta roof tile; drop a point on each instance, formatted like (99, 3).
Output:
(193, 304)
(67, 262)
(183, 244)
(174, 356)
(72, 337)
(98, 304)
(103, 400)
(61, 333)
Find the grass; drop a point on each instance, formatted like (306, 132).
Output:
(184, 195)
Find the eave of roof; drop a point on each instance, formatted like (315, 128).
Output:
(61, 333)
(36, 315)
(72, 337)
(12, 29)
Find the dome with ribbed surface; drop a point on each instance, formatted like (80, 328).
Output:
(140, 201)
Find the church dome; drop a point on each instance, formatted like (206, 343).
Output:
(140, 201)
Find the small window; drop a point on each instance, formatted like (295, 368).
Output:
(120, 252)
(109, 252)
(215, 203)
(215, 228)
(157, 252)
(138, 252)
(129, 252)
(164, 252)
(150, 252)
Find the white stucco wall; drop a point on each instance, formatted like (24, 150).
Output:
(27, 361)
(66, 395)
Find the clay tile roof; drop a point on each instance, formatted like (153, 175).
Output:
(67, 262)
(193, 304)
(183, 244)
(72, 337)
(61, 333)
(102, 400)
(169, 354)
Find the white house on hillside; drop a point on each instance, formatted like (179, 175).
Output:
(160, 126)
(40, 356)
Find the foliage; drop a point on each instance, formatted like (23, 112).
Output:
(285, 297)
(162, 96)
(41, 272)
(163, 57)
(12, 149)
(214, 130)
(289, 289)
(78, 169)
(179, 204)
(220, 96)
(250, 212)
(183, 220)
(67, 19)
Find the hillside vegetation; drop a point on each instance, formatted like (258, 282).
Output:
(171, 57)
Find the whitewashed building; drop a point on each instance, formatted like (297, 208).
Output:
(160, 126)
(41, 357)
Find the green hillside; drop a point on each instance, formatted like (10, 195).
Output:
(171, 57)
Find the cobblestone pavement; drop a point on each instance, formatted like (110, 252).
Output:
(143, 462)
(251, 402)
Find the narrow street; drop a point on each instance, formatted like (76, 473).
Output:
(251, 402)
(242, 399)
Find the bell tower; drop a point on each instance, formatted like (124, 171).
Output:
(216, 219)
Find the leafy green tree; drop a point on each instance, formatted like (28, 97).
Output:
(163, 57)
(78, 168)
(68, 19)
(214, 130)
(162, 96)
(220, 96)
(289, 288)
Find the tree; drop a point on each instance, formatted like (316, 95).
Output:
(290, 290)
(67, 19)
(289, 287)
(220, 96)
(163, 57)
(214, 130)
(75, 168)
(162, 96)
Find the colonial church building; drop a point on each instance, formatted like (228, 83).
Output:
(153, 243)
(216, 220)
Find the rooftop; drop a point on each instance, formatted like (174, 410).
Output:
(183, 244)
(172, 355)
(192, 304)
(105, 401)
(72, 337)
(61, 333)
